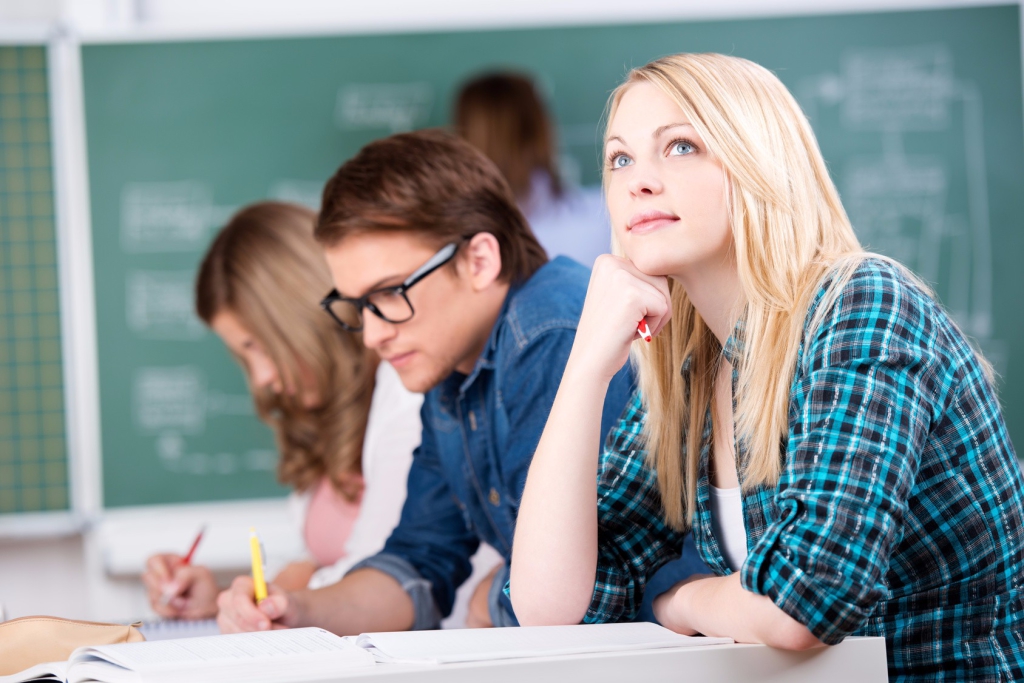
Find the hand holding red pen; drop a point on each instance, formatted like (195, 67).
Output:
(620, 301)
(177, 589)
(644, 331)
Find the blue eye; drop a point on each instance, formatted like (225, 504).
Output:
(621, 161)
(680, 148)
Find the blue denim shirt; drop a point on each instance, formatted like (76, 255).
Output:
(479, 434)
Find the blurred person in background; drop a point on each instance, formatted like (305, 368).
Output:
(345, 426)
(502, 115)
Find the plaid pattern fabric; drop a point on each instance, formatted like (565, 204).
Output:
(900, 509)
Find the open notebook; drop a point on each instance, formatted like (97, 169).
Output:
(306, 654)
(311, 654)
(172, 629)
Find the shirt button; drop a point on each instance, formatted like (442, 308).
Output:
(494, 497)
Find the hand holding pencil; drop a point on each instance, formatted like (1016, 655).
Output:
(250, 604)
(177, 589)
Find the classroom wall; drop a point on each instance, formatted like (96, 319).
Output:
(44, 576)
(142, 17)
(48, 575)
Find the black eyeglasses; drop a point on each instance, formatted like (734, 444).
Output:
(388, 303)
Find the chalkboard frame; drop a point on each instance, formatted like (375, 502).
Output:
(59, 54)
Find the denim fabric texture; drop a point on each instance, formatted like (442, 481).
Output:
(479, 435)
(900, 508)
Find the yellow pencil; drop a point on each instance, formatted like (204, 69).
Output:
(258, 581)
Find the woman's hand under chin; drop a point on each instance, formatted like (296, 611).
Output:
(618, 298)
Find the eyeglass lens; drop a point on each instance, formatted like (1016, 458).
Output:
(388, 303)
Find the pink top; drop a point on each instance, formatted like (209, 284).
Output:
(329, 522)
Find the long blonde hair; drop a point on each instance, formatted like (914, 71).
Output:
(265, 267)
(790, 232)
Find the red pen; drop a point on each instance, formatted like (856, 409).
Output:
(171, 592)
(195, 544)
(644, 331)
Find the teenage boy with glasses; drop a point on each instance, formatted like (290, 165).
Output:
(438, 268)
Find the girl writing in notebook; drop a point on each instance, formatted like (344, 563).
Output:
(345, 426)
(807, 408)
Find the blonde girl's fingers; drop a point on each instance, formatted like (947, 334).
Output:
(652, 283)
(623, 282)
(657, 298)
(655, 305)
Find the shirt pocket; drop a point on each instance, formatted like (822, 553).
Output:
(441, 420)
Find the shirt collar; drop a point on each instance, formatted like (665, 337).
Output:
(732, 351)
(734, 345)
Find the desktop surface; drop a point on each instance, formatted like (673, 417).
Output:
(856, 660)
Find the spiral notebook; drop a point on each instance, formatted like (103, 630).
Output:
(170, 629)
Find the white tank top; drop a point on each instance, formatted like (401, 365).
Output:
(727, 523)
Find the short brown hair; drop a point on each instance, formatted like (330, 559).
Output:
(265, 268)
(503, 116)
(431, 183)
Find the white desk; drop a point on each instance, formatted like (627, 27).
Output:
(856, 660)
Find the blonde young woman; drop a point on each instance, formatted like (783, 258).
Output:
(345, 426)
(806, 408)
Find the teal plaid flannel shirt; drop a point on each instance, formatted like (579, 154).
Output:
(900, 508)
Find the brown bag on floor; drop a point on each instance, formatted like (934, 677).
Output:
(28, 641)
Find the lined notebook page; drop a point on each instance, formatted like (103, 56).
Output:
(469, 645)
(293, 645)
(168, 629)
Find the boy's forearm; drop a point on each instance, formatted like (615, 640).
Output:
(295, 575)
(367, 600)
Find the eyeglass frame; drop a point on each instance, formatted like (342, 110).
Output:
(440, 258)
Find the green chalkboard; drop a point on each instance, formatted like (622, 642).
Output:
(918, 113)
(33, 449)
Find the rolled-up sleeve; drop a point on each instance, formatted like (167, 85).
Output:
(633, 538)
(859, 418)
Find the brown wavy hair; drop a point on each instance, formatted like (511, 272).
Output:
(265, 267)
(433, 184)
(503, 116)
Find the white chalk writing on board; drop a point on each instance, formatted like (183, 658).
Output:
(174, 454)
(169, 216)
(899, 202)
(307, 193)
(174, 404)
(396, 107)
(159, 305)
